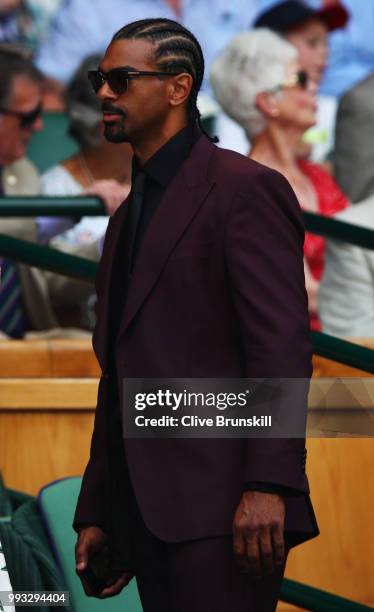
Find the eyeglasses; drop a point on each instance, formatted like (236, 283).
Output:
(26, 119)
(299, 79)
(118, 78)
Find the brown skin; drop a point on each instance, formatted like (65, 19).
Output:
(258, 533)
(25, 96)
(91, 542)
(151, 112)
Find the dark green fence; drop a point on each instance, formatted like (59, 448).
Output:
(45, 258)
(79, 267)
(307, 597)
(26, 206)
(339, 230)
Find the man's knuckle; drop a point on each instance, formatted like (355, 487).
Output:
(238, 552)
(267, 554)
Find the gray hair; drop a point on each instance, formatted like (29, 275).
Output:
(253, 62)
(83, 106)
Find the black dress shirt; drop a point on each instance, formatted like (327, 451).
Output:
(160, 170)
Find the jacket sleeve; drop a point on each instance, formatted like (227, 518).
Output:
(264, 251)
(93, 497)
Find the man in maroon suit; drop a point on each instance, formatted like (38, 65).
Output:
(201, 277)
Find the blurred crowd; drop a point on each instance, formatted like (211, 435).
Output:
(288, 83)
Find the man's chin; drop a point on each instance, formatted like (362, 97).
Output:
(114, 134)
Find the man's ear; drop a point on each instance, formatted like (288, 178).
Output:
(267, 104)
(180, 88)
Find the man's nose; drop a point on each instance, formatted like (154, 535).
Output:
(106, 93)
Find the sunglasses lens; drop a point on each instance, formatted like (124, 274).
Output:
(117, 82)
(30, 118)
(303, 79)
(115, 79)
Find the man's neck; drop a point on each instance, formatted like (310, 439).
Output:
(144, 150)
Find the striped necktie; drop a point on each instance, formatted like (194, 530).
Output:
(12, 316)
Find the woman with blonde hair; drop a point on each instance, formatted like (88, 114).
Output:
(258, 81)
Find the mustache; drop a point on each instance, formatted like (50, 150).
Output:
(107, 107)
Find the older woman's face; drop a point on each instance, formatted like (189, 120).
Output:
(296, 104)
(311, 41)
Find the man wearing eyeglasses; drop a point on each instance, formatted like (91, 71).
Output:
(20, 108)
(201, 276)
(29, 297)
(20, 118)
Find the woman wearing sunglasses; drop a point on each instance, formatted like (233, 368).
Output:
(258, 81)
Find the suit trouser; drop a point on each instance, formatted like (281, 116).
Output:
(197, 576)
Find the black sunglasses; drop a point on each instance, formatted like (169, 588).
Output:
(118, 78)
(26, 119)
(300, 79)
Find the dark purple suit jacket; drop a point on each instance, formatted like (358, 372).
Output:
(217, 291)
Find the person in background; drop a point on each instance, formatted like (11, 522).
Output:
(346, 295)
(9, 11)
(308, 30)
(81, 28)
(25, 22)
(99, 168)
(22, 297)
(21, 90)
(354, 138)
(30, 300)
(351, 49)
(259, 82)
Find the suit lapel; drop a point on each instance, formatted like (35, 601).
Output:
(182, 200)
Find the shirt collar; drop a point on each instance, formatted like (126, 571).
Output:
(165, 163)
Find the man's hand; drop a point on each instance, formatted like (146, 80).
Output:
(92, 542)
(258, 533)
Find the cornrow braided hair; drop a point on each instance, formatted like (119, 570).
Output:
(176, 48)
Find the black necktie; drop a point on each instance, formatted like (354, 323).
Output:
(124, 260)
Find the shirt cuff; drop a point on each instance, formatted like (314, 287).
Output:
(268, 487)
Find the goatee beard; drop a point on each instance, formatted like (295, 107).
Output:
(115, 134)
